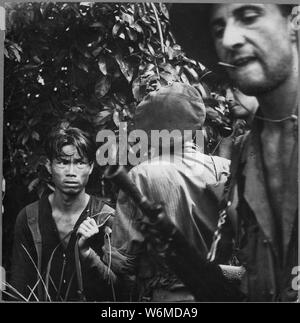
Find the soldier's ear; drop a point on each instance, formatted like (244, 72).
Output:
(48, 166)
(294, 24)
(92, 167)
(294, 35)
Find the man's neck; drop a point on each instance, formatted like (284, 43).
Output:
(68, 204)
(282, 102)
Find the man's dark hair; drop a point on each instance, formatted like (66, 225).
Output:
(66, 135)
(286, 9)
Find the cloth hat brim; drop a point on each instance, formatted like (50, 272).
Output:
(175, 107)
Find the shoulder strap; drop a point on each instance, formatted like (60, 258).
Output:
(32, 212)
(224, 205)
(237, 153)
(235, 172)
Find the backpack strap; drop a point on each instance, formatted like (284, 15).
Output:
(237, 153)
(235, 171)
(32, 213)
(235, 168)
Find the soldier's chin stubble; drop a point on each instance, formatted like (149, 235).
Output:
(257, 88)
(271, 79)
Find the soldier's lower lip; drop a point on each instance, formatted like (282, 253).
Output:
(244, 62)
(235, 107)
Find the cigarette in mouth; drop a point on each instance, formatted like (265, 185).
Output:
(226, 64)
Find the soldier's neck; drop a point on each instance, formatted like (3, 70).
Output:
(68, 203)
(283, 101)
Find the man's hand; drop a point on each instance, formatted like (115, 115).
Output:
(86, 230)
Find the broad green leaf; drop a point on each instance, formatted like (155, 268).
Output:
(137, 28)
(35, 136)
(25, 139)
(128, 18)
(192, 73)
(121, 98)
(76, 109)
(36, 59)
(116, 118)
(153, 29)
(146, 21)
(184, 78)
(211, 113)
(83, 67)
(29, 67)
(97, 51)
(102, 65)
(151, 50)
(17, 55)
(116, 28)
(122, 35)
(97, 25)
(102, 87)
(169, 78)
(102, 117)
(132, 35)
(164, 10)
(6, 53)
(170, 52)
(125, 67)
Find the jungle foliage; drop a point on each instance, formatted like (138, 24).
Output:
(88, 64)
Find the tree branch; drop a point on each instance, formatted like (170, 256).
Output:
(159, 27)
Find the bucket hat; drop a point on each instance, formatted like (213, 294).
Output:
(178, 106)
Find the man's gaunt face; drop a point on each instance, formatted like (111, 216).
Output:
(70, 172)
(256, 39)
(241, 106)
